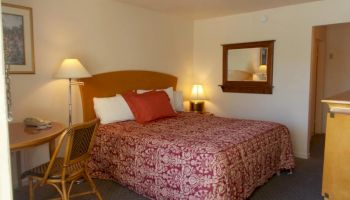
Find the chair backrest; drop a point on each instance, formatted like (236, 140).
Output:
(80, 140)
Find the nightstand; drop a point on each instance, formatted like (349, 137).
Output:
(203, 113)
(197, 106)
(207, 113)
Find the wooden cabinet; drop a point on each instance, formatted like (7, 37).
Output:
(336, 169)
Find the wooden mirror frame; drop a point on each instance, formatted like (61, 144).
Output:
(258, 87)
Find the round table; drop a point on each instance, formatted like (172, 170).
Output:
(22, 137)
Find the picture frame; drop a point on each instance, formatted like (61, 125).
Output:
(17, 22)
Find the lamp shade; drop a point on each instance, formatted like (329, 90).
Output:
(197, 93)
(262, 68)
(72, 68)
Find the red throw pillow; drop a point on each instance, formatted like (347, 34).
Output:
(149, 105)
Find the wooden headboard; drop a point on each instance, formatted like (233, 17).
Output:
(111, 83)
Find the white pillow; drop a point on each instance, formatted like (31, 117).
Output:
(112, 109)
(178, 101)
(169, 91)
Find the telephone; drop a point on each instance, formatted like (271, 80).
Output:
(37, 122)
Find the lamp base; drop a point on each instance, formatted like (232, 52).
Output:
(197, 106)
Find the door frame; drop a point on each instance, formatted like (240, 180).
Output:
(5, 167)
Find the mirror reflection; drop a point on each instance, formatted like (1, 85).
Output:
(247, 64)
(247, 67)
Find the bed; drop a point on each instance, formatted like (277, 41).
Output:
(190, 156)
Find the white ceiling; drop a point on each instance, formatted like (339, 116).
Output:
(200, 9)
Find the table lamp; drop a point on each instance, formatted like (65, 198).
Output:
(197, 99)
(71, 69)
(262, 71)
(260, 75)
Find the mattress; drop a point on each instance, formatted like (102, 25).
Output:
(191, 156)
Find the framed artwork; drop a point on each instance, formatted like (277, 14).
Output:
(17, 22)
(263, 56)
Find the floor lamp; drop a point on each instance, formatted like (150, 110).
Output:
(72, 69)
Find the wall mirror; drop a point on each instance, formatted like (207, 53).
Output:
(247, 67)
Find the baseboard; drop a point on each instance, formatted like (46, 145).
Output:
(302, 155)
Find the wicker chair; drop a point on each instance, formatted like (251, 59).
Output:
(59, 172)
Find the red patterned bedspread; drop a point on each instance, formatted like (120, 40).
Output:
(192, 156)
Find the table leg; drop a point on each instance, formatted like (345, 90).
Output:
(19, 168)
(52, 146)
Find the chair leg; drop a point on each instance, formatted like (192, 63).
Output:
(31, 188)
(92, 185)
(64, 191)
(70, 187)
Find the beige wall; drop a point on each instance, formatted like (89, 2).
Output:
(337, 59)
(106, 36)
(291, 27)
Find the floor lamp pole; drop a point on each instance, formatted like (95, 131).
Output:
(70, 102)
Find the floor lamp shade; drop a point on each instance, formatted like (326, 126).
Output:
(72, 68)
